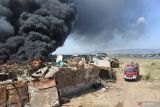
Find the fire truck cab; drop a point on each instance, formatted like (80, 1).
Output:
(131, 71)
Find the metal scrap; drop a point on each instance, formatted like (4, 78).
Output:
(42, 84)
(43, 93)
(19, 94)
(17, 97)
(7, 76)
(15, 94)
(3, 96)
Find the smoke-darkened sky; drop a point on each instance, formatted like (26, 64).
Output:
(114, 24)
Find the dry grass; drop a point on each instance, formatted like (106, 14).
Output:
(147, 76)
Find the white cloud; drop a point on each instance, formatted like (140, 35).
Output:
(141, 20)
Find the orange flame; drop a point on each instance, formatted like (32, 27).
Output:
(36, 62)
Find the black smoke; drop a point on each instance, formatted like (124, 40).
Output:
(101, 21)
(31, 29)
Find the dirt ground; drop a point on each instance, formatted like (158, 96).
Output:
(140, 93)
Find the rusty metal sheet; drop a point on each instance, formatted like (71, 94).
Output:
(13, 98)
(3, 96)
(44, 98)
(17, 96)
(43, 93)
(23, 92)
(42, 84)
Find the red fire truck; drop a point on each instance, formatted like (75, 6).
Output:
(131, 71)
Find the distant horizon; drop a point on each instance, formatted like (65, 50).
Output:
(138, 50)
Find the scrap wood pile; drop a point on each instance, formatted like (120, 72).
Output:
(37, 69)
(72, 64)
(15, 70)
(20, 69)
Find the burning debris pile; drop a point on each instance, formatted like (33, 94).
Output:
(43, 84)
(32, 29)
(19, 70)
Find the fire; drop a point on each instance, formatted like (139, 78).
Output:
(36, 62)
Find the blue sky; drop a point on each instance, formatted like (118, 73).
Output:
(150, 39)
(153, 25)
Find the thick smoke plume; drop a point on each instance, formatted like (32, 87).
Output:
(31, 29)
(101, 21)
